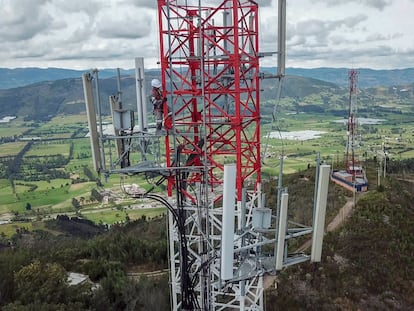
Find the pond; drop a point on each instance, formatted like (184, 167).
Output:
(296, 135)
(7, 119)
(363, 121)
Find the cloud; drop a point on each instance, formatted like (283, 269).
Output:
(30, 53)
(128, 24)
(319, 33)
(317, 26)
(348, 56)
(91, 7)
(22, 20)
(381, 37)
(141, 3)
(377, 4)
(79, 33)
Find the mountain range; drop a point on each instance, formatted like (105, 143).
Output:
(43, 100)
(11, 78)
(46, 99)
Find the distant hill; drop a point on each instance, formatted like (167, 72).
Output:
(11, 78)
(43, 100)
(366, 77)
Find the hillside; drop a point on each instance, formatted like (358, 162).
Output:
(367, 77)
(17, 77)
(366, 264)
(43, 100)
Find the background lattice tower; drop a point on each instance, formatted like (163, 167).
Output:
(353, 164)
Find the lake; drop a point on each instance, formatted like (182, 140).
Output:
(297, 135)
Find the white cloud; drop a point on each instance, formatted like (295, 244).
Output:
(22, 20)
(90, 7)
(128, 23)
(142, 3)
(110, 33)
(378, 4)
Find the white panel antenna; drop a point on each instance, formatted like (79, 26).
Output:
(227, 238)
(141, 96)
(319, 220)
(280, 254)
(91, 114)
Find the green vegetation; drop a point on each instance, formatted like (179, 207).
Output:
(46, 173)
(11, 131)
(55, 174)
(49, 149)
(123, 215)
(35, 272)
(367, 263)
(11, 149)
(8, 230)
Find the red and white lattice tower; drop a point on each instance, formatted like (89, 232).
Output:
(353, 164)
(210, 67)
(222, 238)
(210, 76)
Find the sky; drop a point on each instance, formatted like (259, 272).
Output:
(83, 34)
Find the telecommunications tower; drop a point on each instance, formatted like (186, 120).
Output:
(353, 165)
(210, 67)
(353, 177)
(210, 70)
(223, 238)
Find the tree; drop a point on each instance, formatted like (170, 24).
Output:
(96, 196)
(28, 206)
(75, 203)
(38, 282)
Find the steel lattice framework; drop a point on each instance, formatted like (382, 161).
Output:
(222, 238)
(210, 65)
(210, 74)
(353, 164)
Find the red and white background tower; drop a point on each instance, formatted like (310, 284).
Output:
(353, 163)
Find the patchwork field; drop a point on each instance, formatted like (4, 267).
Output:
(55, 175)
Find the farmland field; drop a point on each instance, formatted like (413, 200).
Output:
(113, 216)
(10, 149)
(8, 129)
(49, 195)
(49, 148)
